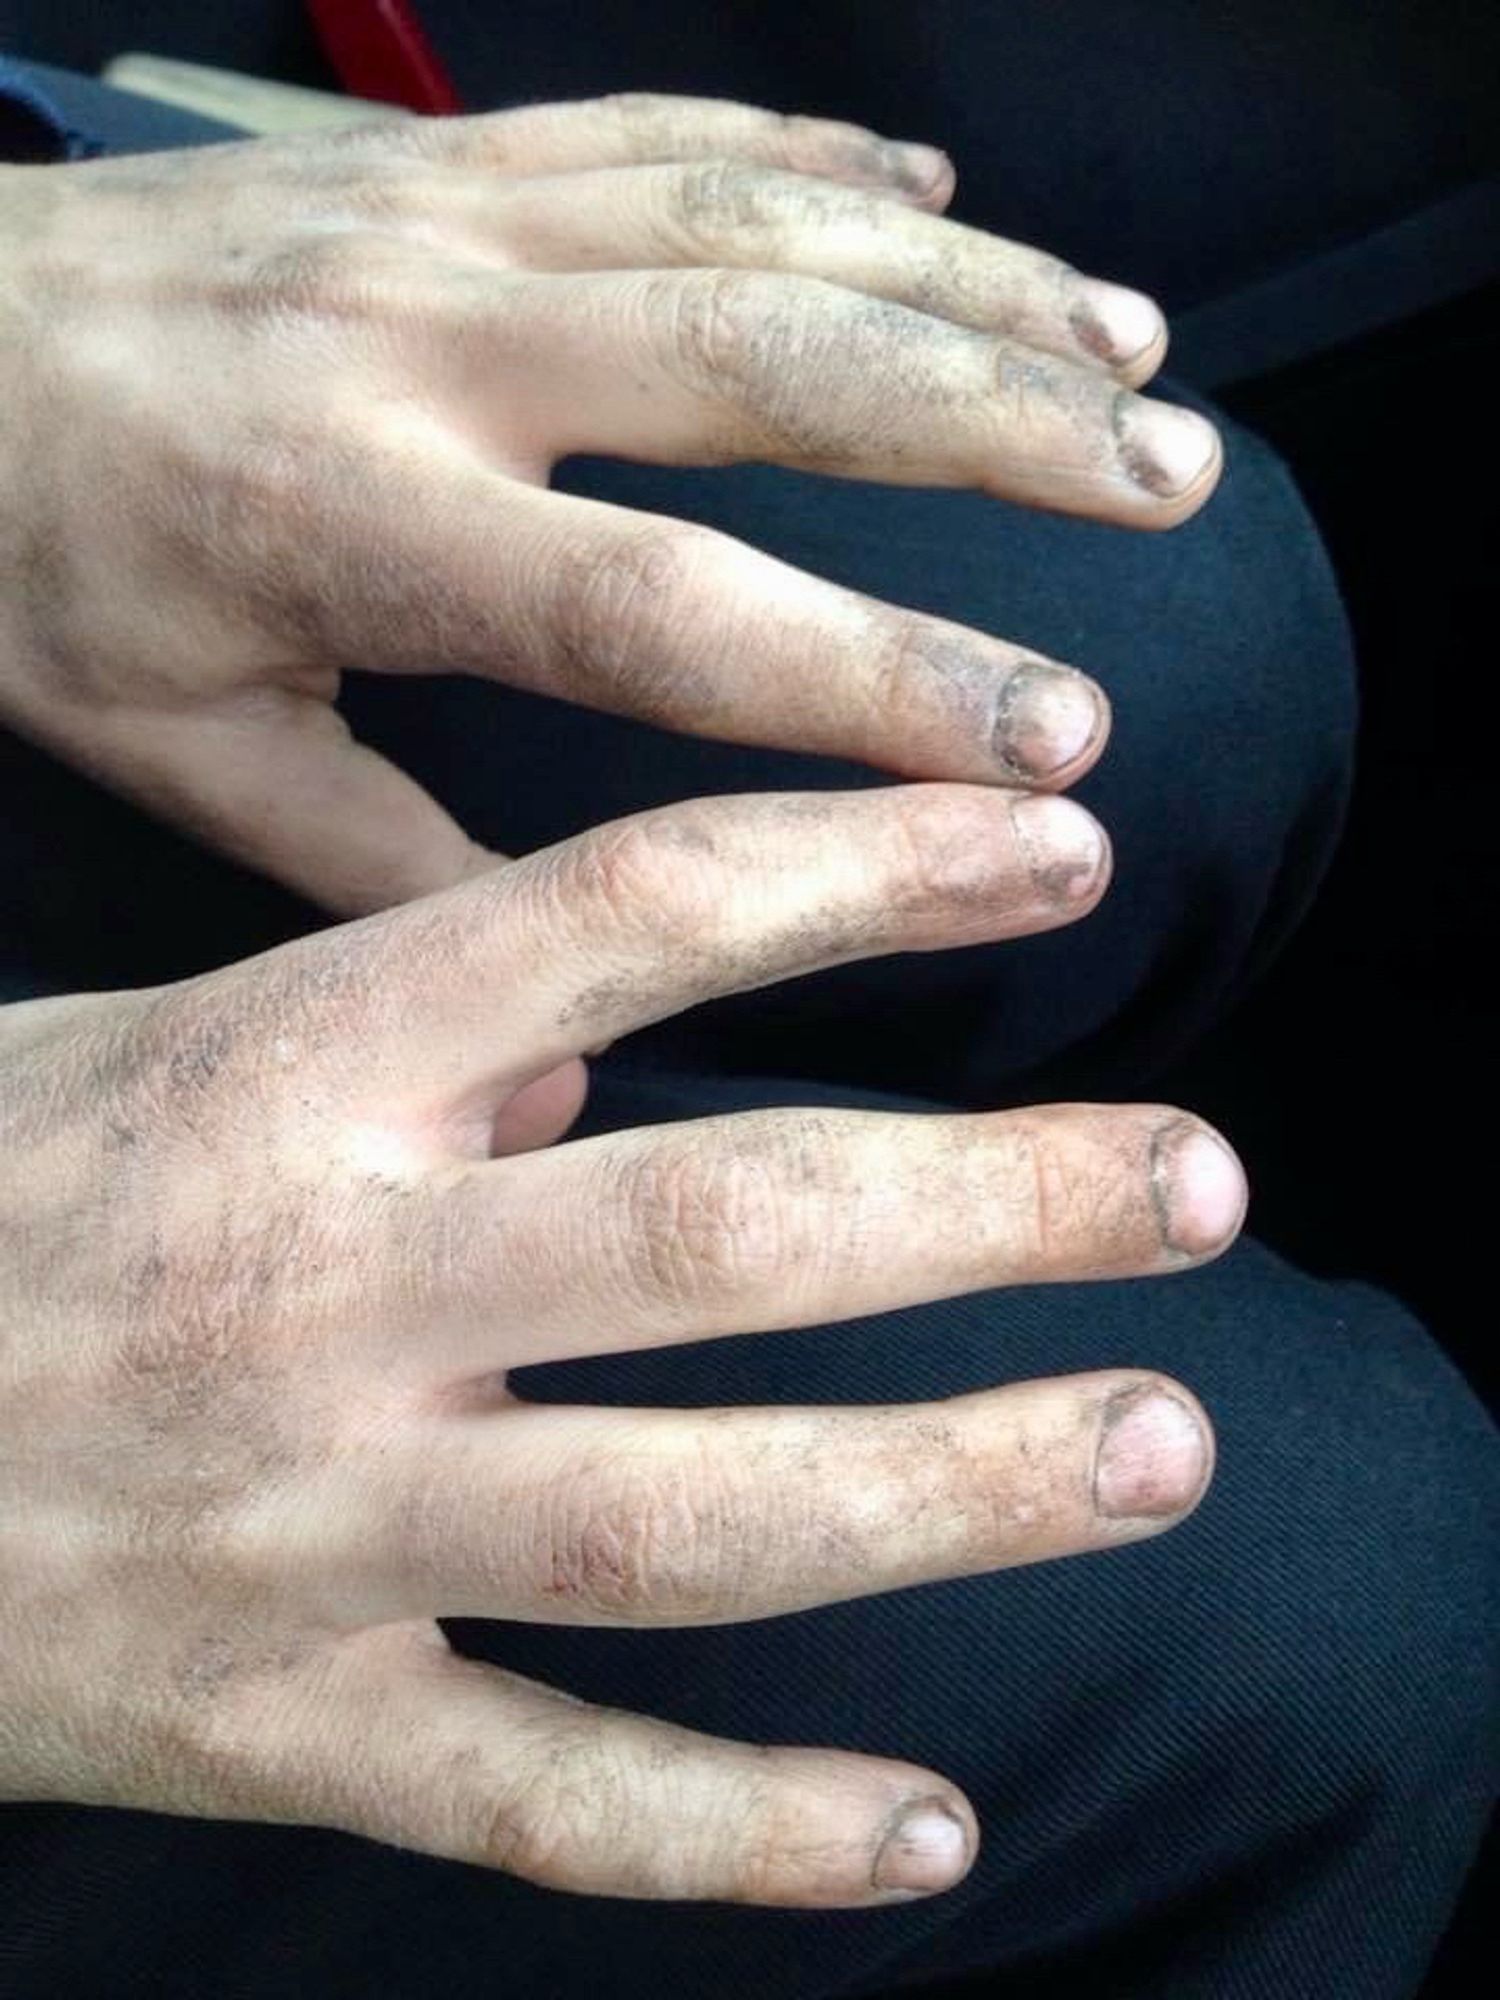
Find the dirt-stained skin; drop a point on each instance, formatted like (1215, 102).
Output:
(267, 1258)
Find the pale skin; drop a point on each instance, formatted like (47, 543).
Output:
(274, 1236)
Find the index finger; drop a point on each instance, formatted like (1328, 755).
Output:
(434, 1011)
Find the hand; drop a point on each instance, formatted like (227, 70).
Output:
(271, 1248)
(278, 409)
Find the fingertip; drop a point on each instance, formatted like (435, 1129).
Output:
(1170, 453)
(927, 1845)
(1066, 849)
(1147, 365)
(1184, 1395)
(923, 175)
(1155, 1454)
(1051, 723)
(1120, 327)
(1200, 1188)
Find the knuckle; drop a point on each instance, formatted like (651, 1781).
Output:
(618, 608)
(763, 346)
(348, 149)
(906, 659)
(210, 1049)
(634, 868)
(1035, 1195)
(716, 197)
(544, 1834)
(268, 502)
(1027, 387)
(942, 856)
(518, 1841)
(452, 1247)
(1076, 1201)
(1047, 404)
(820, 145)
(365, 176)
(706, 1225)
(597, 1558)
(654, 125)
(793, 363)
(329, 274)
(717, 201)
(202, 1736)
(733, 326)
(633, 1547)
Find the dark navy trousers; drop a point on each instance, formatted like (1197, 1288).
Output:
(1251, 1758)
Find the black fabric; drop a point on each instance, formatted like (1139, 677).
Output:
(1248, 1759)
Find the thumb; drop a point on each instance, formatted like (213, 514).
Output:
(276, 780)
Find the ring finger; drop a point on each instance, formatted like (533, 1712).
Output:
(569, 1515)
(737, 213)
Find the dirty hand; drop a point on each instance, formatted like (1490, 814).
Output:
(275, 1236)
(278, 409)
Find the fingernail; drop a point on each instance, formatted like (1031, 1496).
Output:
(1152, 1456)
(1198, 1186)
(1113, 323)
(1064, 847)
(919, 169)
(927, 1849)
(1045, 718)
(1164, 448)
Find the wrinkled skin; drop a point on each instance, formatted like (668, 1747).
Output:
(271, 1243)
(274, 410)
(273, 1238)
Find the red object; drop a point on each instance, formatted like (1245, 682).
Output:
(380, 50)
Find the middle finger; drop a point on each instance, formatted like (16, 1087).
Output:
(713, 366)
(783, 1218)
(591, 1516)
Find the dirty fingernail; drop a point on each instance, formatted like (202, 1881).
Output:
(1199, 1188)
(1114, 323)
(1152, 1456)
(917, 168)
(1163, 448)
(927, 1849)
(1046, 717)
(1064, 846)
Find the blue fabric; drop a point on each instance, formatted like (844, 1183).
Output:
(50, 114)
(32, 126)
